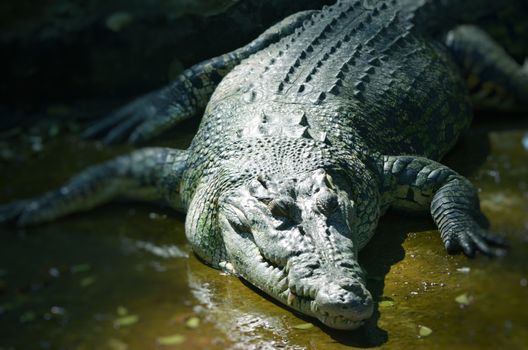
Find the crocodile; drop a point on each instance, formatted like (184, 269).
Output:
(309, 133)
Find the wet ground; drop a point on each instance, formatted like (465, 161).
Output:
(123, 277)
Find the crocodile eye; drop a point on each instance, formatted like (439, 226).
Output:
(281, 206)
(326, 202)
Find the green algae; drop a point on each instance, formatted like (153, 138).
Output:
(171, 339)
(386, 302)
(80, 268)
(424, 331)
(87, 281)
(126, 321)
(193, 322)
(464, 299)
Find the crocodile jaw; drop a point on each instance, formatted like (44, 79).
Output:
(306, 259)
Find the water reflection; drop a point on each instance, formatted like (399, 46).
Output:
(163, 251)
(237, 312)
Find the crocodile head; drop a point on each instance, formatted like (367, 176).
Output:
(295, 239)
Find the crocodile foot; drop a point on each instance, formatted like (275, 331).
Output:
(468, 236)
(10, 214)
(126, 121)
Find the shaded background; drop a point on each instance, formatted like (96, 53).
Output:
(64, 52)
(123, 277)
(58, 53)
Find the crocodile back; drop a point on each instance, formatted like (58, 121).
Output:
(361, 77)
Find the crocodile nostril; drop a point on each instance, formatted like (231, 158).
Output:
(355, 288)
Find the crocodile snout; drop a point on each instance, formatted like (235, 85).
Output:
(344, 304)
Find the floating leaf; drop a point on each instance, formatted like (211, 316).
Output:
(386, 303)
(28, 316)
(54, 130)
(126, 320)
(424, 331)
(174, 339)
(87, 281)
(116, 344)
(193, 322)
(464, 269)
(54, 272)
(5, 307)
(57, 310)
(303, 326)
(122, 311)
(118, 21)
(463, 299)
(80, 268)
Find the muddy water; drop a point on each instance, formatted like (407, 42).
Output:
(123, 276)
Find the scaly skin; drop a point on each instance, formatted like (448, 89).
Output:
(316, 129)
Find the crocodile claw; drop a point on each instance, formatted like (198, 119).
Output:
(119, 125)
(470, 238)
(11, 213)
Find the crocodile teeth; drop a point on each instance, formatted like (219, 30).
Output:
(291, 298)
(314, 307)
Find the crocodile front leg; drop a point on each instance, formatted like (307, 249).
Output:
(158, 111)
(147, 174)
(417, 184)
